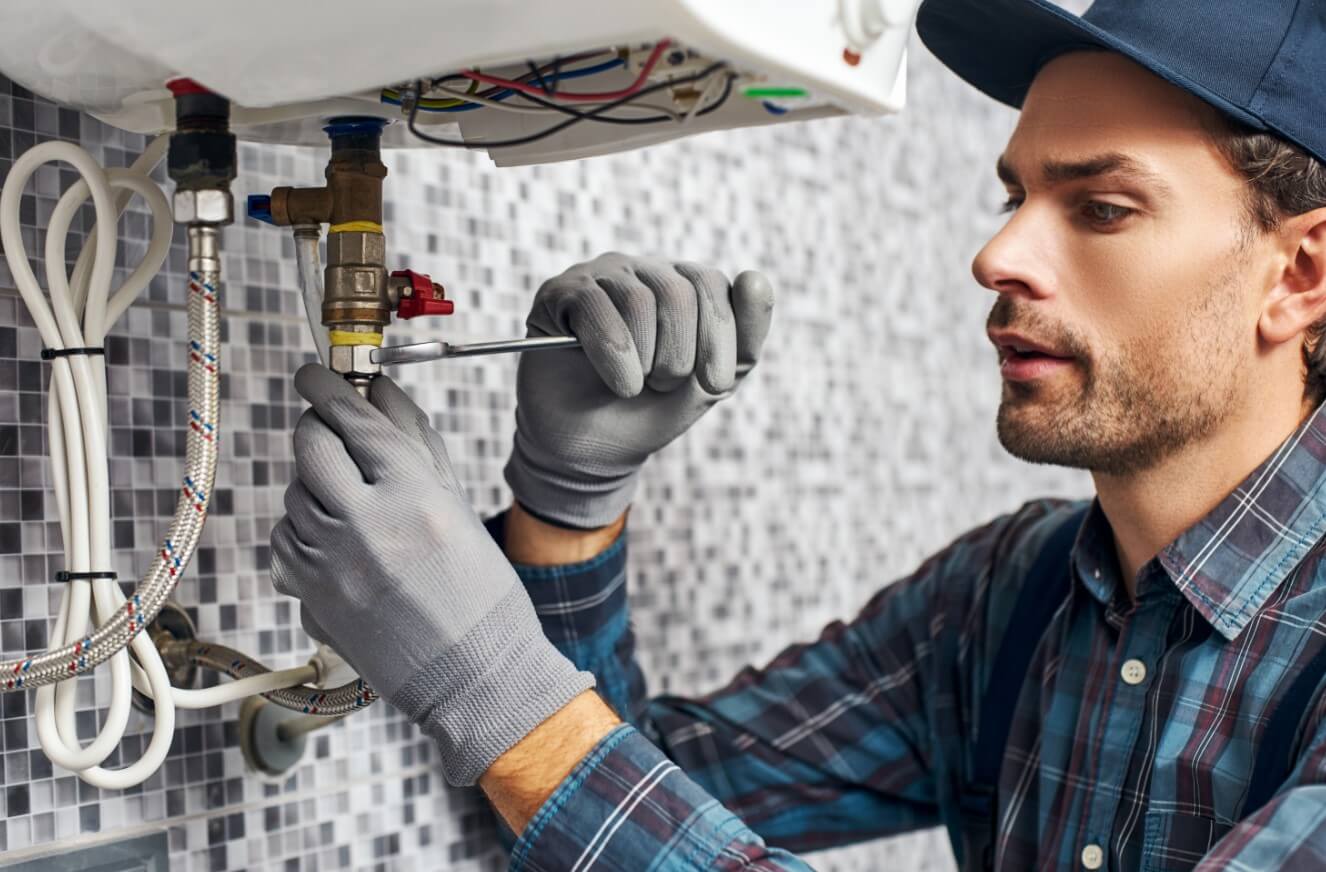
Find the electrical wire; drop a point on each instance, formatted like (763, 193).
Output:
(704, 94)
(557, 75)
(392, 97)
(538, 76)
(546, 107)
(463, 102)
(666, 114)
(580, 97)
(578, 117)
(474, 101)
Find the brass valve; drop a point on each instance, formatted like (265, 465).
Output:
(356, 298)
(358, 294)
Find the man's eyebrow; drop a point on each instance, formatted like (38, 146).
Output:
(1056, 172)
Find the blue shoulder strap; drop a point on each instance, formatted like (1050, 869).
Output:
(1043, 590)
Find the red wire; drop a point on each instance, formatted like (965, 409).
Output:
(577, 97)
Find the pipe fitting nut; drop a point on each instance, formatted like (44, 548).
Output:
(354, 360)
(204, 206)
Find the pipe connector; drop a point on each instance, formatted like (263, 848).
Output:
(354, 361)
(203, 206)
(204, 247)
(202, 158)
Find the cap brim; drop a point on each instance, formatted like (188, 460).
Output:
(999, 46)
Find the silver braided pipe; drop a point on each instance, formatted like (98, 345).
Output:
(178, 547)
(349, 697)
(200, 471)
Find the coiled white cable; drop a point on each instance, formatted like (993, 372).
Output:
(77, 313)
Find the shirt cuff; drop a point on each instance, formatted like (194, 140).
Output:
(626, 806)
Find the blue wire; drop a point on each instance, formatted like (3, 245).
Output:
(587, 71)
(773, 108)
(502, 95)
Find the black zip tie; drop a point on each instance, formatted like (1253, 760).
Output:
(84, 576)
(52, 353)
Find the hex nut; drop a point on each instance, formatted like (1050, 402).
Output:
(205, 206)
(356, 247)
(354, 360)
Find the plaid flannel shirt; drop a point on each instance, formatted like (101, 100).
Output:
(1133, 737)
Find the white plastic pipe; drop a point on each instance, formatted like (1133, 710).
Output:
(309, 265)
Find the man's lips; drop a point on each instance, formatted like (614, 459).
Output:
(1022, 358)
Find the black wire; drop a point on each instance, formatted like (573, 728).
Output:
(538, 76)
(556, 73)
(579, 117)
(654, 119)
(535, 73)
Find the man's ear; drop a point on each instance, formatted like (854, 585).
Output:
(1299, 299)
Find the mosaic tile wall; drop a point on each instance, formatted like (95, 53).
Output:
(864, 442)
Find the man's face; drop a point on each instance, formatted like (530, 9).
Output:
(1129, 275)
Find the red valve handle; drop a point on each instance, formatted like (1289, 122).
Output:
(427, 298)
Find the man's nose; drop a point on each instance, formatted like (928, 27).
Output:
(1016, 260)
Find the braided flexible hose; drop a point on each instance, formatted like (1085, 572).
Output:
(347, 698)
(156, 586)
(182, 538)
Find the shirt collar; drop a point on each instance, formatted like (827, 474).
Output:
(1093, 555)
(1231, 561)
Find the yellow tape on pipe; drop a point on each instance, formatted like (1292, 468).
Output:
(349, 337)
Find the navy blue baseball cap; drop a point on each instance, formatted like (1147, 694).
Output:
(1262, 62)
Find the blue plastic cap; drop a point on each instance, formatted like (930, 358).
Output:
(354, 124)
(260, 208)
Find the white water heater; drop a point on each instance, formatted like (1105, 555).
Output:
(289, 65)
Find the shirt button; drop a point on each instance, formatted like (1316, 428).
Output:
(1133, 671)
(1093, 857)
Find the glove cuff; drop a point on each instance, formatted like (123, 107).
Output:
(487, 692)
(582, 503)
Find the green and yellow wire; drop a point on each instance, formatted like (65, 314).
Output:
(394, 96)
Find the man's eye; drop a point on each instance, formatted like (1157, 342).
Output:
(1098, 212)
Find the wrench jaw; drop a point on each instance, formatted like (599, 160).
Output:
(419, 352)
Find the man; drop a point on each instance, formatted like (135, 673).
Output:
(1130, 684)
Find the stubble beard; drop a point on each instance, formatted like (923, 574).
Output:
(1127, 411)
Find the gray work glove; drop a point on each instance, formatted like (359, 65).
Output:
(661, 344)
(394, 570)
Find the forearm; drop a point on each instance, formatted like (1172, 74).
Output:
(532, 542)
(521, 780)
(554, 786)
(583, 785)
